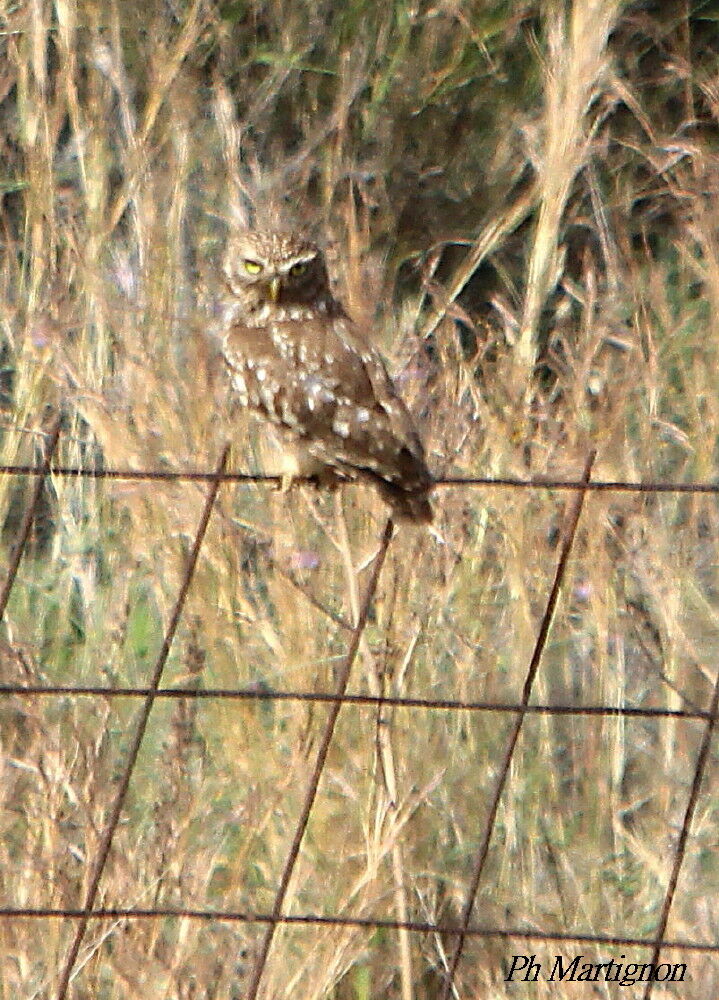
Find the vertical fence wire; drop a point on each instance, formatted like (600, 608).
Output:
(483, 850)
(320, 760)
(110, 827)
(30, 513)
(702, 758)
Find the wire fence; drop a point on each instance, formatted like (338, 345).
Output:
(456, 932)
(506, 482)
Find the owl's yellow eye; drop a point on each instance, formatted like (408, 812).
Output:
(251, 266)
(297, 270)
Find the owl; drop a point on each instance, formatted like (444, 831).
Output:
(296, 359)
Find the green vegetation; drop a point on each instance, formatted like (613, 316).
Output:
(520, 199)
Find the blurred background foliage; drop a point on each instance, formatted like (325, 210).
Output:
(518, 200)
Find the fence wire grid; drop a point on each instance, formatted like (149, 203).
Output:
(456, 932)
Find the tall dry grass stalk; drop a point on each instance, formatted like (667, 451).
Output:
(577, 81)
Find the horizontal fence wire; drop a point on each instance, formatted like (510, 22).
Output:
(370, 923)
(504, 482)
(360, 700)
(459, 932)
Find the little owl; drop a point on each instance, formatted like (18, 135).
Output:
(298, 361)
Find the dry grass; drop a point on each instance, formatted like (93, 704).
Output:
(521, 204)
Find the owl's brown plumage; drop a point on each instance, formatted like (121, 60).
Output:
(298, 361)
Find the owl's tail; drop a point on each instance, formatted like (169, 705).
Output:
(407, 505)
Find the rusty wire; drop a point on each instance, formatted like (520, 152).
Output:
(336, 699)
(504, 482)
(370, 923)
(542, 635)
(30, 514)
(702, 758)
(360, 700)
(111, 825)
(311, 792)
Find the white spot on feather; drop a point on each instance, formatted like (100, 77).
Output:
(289, 416)
(389, 407)
(317, 392)
(342, 428)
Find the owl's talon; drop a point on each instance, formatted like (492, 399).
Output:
(326, 479)
(287, 481)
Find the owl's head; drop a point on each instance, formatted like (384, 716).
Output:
(275, 269)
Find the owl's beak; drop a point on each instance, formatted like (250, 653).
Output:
(275, 289)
